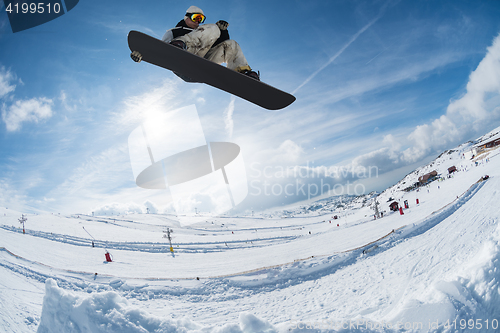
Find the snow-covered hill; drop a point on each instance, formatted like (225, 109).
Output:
(435, 268)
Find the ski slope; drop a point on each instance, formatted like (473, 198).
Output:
(422, 271)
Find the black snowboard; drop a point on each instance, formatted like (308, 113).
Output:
(199, 69)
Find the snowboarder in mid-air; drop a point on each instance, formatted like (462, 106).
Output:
(195, 53)
(210, 41)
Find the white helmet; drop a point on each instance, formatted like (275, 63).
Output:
(194, 10)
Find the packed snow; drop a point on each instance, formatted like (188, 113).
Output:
(330, 266)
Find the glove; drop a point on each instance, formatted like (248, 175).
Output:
(136, 56)
(222, 25)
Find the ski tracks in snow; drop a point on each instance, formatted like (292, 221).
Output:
(256, 286)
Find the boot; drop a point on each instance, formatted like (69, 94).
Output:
(249, 72)
(253, 75)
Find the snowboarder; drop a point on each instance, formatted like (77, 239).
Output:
(210, 41)
(195, 54)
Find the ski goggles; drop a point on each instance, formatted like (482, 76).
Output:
(199, 18)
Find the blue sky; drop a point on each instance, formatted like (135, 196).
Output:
(380, 85)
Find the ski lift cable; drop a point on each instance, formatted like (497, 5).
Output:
(88, 233)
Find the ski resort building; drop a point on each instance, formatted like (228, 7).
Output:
(427, 177)
(488, 145)
(394, 206)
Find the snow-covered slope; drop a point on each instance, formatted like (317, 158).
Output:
(435, 268)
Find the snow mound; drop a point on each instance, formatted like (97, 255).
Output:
(108, 312)
(467, 301)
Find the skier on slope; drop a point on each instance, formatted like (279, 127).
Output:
(210, 41)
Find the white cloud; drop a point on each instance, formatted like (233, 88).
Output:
(6, 78)
(470, 115)
(19, 111)
(228, 117)
(483, 81)
(101, 173)
(11, 196)
(288, 151)
(466, 117)
(65, 103)
(118, 209)
(151, 207)
(32, 110)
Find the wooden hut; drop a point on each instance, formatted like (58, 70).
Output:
(427, 177)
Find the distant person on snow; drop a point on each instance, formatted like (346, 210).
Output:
(210, 41)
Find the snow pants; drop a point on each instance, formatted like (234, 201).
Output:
(200, 42)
